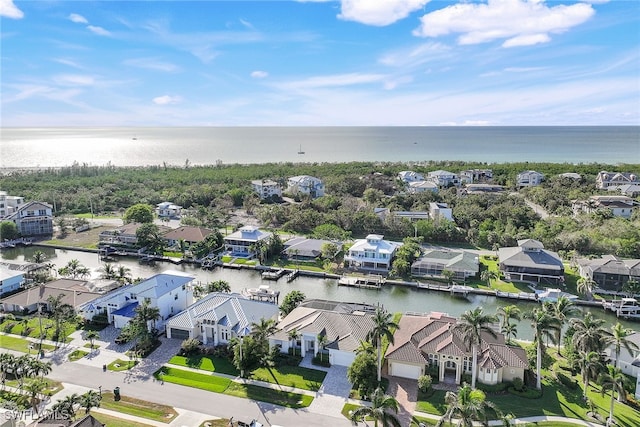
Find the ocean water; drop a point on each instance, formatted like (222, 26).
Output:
(55, 147)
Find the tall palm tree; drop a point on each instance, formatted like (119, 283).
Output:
(508, 313)
(90, 400)
(91, 336)
(562, 310)
(382, 410)
(612, 380)
(586, 285)
(67, 406)
(589, 333)
(108, 271)
(263, 329)
(510, 330)
(294, 336)
(589, 367)
(322, 342)
(472, 324)
(124, 274)
(60, 312)
(383, 327)
(466, 405)
(146, 313)
(544, 325)
(74, 269)
(489, 275)
(34, 389)
(38, 257)
(7, 361)
(619, 338)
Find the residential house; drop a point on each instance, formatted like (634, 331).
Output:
(168, 210)
(10, 280)
(125, 235)
(306, 185)
(74, 292)
(303, 249)
(410, 176)
(372, 253)
(32, 218)
(421, 187)
(610, 272)
(244, 242)
(386, 213)
(189, 235)
(529, 179)
(443, 178)
(629, 190)
(345, 325)
(169, 291)
(621, 206)
(55, 420)
(628, 361)
(439, 211)
(266, 188)
(571, 175)
(9, 204)
(480, 189)
(530, 262)
(218, 317)
(604, 179)
(424, 342)
(471, 176)
(433, 263)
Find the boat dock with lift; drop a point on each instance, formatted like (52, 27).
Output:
(371, 281)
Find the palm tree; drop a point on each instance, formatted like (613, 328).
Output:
(562, 310)
(322, 342)
(466, 405)
(509, 330)
(619, 338)
(33, 389)
(7, 361)
(631, 287)
(124, 274)
(263, 329)
(382, 406)
(219, 286)
(67, 405)
(38, 257)
(294, 336)
(89, 400)
(91, 336)
(589, 366)
(543, 324)
(489, 275)
(612, 380)
(60, 312)
(383, 327)
(472, 324)
(507, 313)
(108, 271)
(448, 275)
(586, 285)
(146, 313)
(589, 333)
(74, 269)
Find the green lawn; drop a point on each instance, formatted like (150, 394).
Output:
(52, 386)
(291, 376)
(122, 365)
(77, 355)
(21, 344)
(218, 384)
(138, 408)
(33, 327)
(116, 422)
(206, 363)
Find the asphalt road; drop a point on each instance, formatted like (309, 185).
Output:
(192, 399)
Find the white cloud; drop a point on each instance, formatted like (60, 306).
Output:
(519, 22)
(68, 62)
(334, 81)
(258, 74)
(74, 80)
(152, 64)
(166, 100)
(78, 19)
(10, 10)
(378, 12)
(98, 30)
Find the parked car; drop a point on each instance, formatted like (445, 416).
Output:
(252, 423)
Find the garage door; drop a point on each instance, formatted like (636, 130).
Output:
(405, 371)
(179, 334)
(341, 358)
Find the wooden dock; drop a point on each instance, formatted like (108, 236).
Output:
(273, 275)
(371, 281)
(292, 275)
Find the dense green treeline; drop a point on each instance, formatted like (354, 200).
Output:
(353, 191)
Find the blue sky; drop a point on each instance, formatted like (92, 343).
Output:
(315, 63)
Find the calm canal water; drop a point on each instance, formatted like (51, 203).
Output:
(393, 298)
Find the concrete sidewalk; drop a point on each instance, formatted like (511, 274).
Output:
(516, 421)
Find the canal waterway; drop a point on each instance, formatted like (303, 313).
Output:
(394, 298)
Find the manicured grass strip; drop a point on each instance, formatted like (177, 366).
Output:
(291, 376)
(348, 407)
(263, 394)
(220, 422)
(21, 344)
(52, 386)
(77, 355)
(138, 408)
(206, 363)
(16, 327)
(88, 345)
(121, 365)
(218, 384)
(116, 422)
(207, 382)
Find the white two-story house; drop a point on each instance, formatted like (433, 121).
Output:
(168, 210)
(529, 179)
(9, 204)
(373, 253)
(605, 179)
(621, 206)
(32, 219)
(245, 242)
(443, 178)
(305, 184)
(410, 176)
(266, 188)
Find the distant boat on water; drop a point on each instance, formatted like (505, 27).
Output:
(300, 150)
(135, 138)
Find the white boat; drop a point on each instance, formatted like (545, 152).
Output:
(628, 308)
(300, 150)
(553, 294)
(373, 281)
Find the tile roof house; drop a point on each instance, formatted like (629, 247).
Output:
(629, 190)
(529, 179)
(476, 175)
(75, 293)
(439, 211)
(344, 324)
(433, 262)
(410, 176)
(610, 272)
(432, 340)
(301, 248)
(443, 178)
(621, 206)
(190, 235)
(372, 253)
(243, 242)
(125, 235)
(421, 187)
(168, 210)
(530, 262)
(606, 179)
(218, 317)
(305, 184)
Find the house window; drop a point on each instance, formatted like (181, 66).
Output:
(175, 297)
